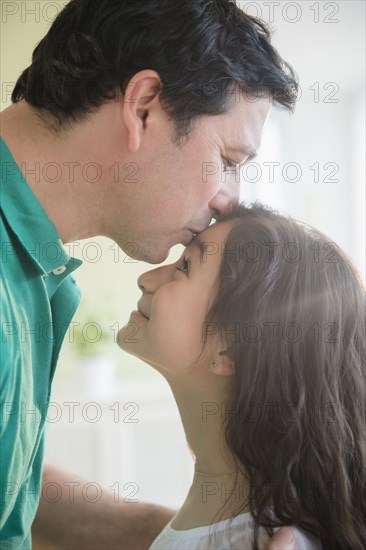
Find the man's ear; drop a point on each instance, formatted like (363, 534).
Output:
(141, 92)
(223, 365)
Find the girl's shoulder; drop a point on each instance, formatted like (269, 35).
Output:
(229, 534)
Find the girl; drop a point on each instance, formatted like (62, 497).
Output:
(260, 331)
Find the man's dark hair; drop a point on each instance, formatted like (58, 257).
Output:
(202, 50)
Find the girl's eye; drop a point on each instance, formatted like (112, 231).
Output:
(184, 267)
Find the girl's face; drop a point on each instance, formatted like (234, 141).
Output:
(175, 299)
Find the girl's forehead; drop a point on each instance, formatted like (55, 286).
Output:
(217, 232)
(211, 242)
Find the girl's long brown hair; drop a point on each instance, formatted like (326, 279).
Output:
(291, 308)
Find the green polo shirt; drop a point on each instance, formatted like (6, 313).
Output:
(38, 300)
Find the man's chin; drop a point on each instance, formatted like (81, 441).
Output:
(154, 257)
(160, 257)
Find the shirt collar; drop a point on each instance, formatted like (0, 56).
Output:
(29, 221)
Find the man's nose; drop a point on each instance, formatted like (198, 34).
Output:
(227, 196)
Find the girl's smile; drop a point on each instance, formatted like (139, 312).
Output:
(175, 300)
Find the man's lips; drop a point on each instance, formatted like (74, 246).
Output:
(195, 231)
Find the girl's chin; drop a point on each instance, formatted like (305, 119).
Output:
(124, 340)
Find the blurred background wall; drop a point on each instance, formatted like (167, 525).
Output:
(112, 418)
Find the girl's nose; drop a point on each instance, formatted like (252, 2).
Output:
(142, 282)
(150, 281)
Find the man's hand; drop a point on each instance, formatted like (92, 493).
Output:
(284, 539)
(74, 523)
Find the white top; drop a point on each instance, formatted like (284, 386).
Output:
(224, 535)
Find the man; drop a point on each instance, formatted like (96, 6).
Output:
(177, 91)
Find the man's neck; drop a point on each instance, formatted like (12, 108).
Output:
(63, 170)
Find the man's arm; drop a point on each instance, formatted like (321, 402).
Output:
(72, 522)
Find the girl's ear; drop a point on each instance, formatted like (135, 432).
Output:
(223, 365)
